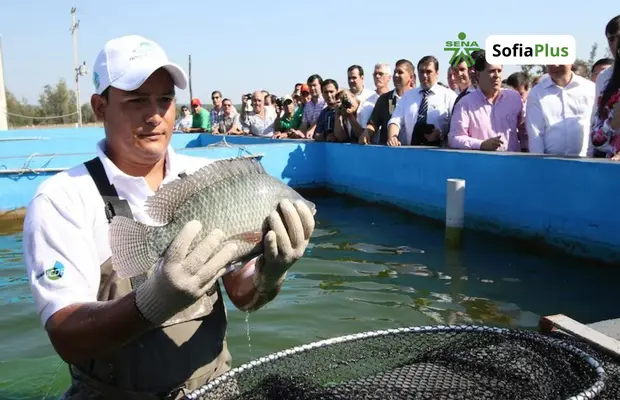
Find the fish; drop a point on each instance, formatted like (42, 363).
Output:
(235, 195)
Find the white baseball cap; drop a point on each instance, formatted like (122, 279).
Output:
(127, 62)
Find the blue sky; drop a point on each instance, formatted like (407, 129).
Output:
(240, 46)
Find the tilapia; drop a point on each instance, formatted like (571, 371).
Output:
(235, 195)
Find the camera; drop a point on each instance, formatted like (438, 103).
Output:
(279, 102)
(345, 104)
(248, 96)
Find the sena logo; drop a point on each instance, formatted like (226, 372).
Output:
(54, 273)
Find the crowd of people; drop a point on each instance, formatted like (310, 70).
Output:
(565, 111)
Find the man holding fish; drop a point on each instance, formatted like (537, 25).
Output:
(124, 252)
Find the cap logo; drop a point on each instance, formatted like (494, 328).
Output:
(142, 50)
(96, 80)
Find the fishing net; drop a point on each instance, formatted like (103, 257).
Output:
(434, 362)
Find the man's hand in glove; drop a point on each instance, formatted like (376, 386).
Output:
(284, 244)
(183, 278)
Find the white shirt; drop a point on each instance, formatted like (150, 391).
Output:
(257, 126)
(184, 122)
(66, 224)
(440, 103)
(558, 118)
(364, 111)
(364, 95)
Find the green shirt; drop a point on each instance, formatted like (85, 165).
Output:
(202, 120)
(292, 122)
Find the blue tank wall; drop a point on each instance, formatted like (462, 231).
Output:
(568, 203)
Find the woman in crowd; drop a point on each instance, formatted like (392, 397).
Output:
(606, 122)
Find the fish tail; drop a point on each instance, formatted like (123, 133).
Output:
(129, 243)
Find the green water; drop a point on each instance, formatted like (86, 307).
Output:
(352, 279)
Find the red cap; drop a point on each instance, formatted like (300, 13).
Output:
(196, 102)
(304, 88)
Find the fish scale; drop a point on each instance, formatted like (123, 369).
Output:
(234, 195)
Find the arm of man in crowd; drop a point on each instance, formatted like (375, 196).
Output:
(79, 327)
(535, 125)
(340, 130)
(369, 132)
(307, 128)
(396, 121)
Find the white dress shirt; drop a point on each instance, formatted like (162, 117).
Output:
(558, 118)
(364, 94)
(440, 103)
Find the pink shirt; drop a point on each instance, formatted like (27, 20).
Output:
(476, 119)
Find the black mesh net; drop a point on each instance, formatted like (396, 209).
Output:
(442, 362)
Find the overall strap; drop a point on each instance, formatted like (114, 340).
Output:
(113, 205)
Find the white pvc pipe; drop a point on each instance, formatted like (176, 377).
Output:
(455, 203)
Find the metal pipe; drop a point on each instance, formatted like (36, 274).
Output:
(190, 80)
(24, 171)
(74, 27)
(24, 138)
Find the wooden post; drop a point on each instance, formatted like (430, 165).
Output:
(568, 325)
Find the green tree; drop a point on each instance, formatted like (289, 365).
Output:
(54, 101)
(592, 58)
(582, 68)
(88, 116)
(18, 111)
(58, 101)
(532, 70)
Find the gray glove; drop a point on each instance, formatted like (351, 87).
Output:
(181, 279)
(284, 244)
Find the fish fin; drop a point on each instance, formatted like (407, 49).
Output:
(249, 237)
(129, 243)
(162, 205)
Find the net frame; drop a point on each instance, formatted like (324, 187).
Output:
(589, 393)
